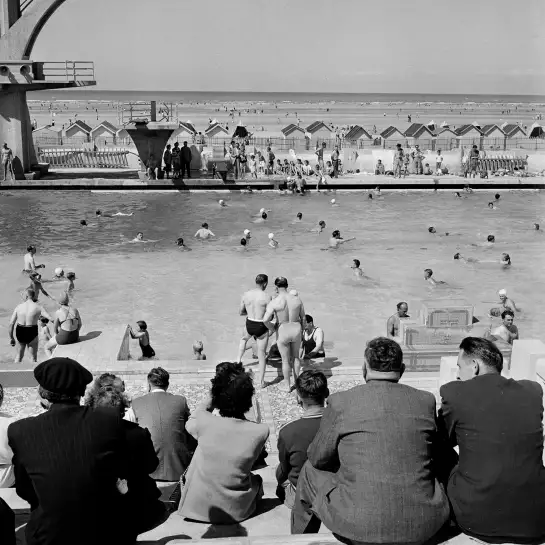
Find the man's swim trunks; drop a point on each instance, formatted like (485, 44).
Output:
(255, 329)
(25, 334)
(147, 351)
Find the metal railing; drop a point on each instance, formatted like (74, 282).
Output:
(68, 71)
(24, 4)
(80, 158)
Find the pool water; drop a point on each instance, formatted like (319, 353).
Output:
(185, 296)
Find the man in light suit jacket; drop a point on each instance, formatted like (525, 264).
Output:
(165, 416)
(372, 473)
(497, 491)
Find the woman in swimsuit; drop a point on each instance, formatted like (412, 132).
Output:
(67, 325)
(143, 339)
(313, 340)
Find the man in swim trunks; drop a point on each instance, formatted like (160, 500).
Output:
(204, 233)
(290, 315)
(30, 264)
(335, 241)
(392, 326)
(253, 305)
(24, 324)
(507, 331)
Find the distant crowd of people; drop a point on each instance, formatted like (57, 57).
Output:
(375, 464)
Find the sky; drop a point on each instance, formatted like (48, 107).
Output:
(351, 46)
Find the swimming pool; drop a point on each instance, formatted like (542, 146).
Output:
(185, 296)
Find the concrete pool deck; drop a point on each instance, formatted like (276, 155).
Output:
(126, 180)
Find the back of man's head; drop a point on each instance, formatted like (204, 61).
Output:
(261, 279)
(281, 282)
(158, 378)
(483, 351)
(312, 387)
(384, 355)
(31, 294)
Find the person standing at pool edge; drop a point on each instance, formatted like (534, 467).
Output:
(290, 313)
(253, 305)
(392, 327)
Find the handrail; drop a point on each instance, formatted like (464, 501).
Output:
(68, 70)
(24, 5)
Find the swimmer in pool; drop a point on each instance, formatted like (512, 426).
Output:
(204, 233)
(290, 313)
(491, 206)
(497, 197)
(468, 189)
(428, 276)
(247, 235)
(358, 272)
(320, 228)
(59, 274)
(71, 276)
(490, 241)
(377, 191)
(334, 202)
(221, 202)
(506, 304)
(433, 231)
(299, 216)
(536, 226)
(99, 214)
(457, 195)
(139, 237)
(36, 284)
(181, 245)
(272, 242)
(370, 196)
(83, 223)
(335, 241)
(458, 256)
(243, 243)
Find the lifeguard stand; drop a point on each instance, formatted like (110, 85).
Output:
(20, 23)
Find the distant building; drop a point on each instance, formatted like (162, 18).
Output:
(468, 135)
(319, 131)
(446, 139)
(216, 130)
(511, 130)
(392, 136)
(293, 131)
(358, 137)
(418, 133)
(186, 132)
(122, 137)
(493, 137)
(78, 131)
(47, 135)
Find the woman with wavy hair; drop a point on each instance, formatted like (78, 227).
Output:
(219, 486)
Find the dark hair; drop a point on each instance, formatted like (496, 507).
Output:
(180, 241)
(357, 262)
(312, 385)
(54, 397)
(1, 395)
(264, 215)
(484, 350)
(108, 396)
(490, 203)
(428, 271)
(370, 196)
(142, 325)
(232, 390)
(281, 282)
(402, 303)
(384, 355)
(335, 233)
(457, 255)
(321, 222)
(507, 313)
(299, 215)
(83, 222)
(44, 320)
(31, 293)
(309, 319)
(98, 212)
(29, 248)
(71, 275)
(261, 279)
(159, 377)
(243, 241)
(139, 233)
(205, 225)
(430, 229)
(497, 196)
(490, 238)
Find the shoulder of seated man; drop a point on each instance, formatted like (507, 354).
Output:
(292, 427)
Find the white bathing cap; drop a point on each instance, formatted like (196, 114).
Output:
(271, 235)
(222, 201)
(294, 292)
(58, 271)
(246, 231)
(289, 178)
(262, 210)
(502, 292)
(333, 201)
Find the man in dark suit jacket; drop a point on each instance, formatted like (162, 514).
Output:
(7, 524)
(497, 491)
(67, 462)
(186, 156)
(372, 471)
(165, 416)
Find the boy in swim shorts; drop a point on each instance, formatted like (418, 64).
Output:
(143, 339)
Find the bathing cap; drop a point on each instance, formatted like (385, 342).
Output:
(502, 292)
(222, 201)
(246, 231)
(58, 271)
(333, 201)
(271, 235)
(262, 210)
(294, 292)
(289, 178)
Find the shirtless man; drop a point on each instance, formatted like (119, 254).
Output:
(7, 158)
(204, 233)
(253, 305)
(392, 326)
(335, 241)
(320, 228)
(36, 285)
(25, 323)
(30, 265)
(290, 315)
(507, 331)
(428, 276)
(358, 272)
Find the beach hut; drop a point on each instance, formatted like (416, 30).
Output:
(357, 137)
(493, 137)
(185, 132)
(468, 135)
(320, 132)
(78, 132)
(512, 130)
(420, 134)
(392, 136)
(216, 130)
(47, 135)
(536, 131)
(293, 131)
(241, 131)
(104, 133)
(446, 139)
(122, 137)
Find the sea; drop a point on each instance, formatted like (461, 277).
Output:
(223, 97)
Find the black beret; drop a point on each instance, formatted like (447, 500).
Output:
(63, 376)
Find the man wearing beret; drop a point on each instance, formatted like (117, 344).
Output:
(67, 462)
